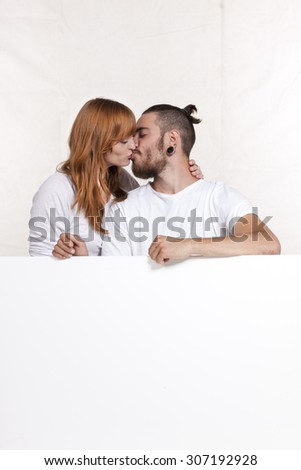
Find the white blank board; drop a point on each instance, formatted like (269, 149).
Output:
(117, 353)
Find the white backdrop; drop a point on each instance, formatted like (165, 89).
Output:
(239, 61)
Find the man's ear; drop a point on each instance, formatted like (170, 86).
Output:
(174, 136)
(171, 141)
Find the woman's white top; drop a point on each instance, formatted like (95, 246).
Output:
(52, 213)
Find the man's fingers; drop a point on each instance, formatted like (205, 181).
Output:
(160, 258)
(58, 256)
(154, 248)
(65, 247)
(66, 238)
(156, 245)
(153, 251)
(157, 253)
(70, 240)
(76, 239)
(159, 238)
(59, 253)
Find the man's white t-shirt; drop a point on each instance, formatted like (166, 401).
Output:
(204, 209)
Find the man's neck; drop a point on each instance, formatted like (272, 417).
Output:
(174, 178)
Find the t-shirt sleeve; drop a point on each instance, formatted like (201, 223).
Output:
(127, 181)
(117, 241)
(49, 217)
(231, 205)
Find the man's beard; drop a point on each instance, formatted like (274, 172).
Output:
(150, 167)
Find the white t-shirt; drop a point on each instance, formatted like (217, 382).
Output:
(204, 209)
(52, 213)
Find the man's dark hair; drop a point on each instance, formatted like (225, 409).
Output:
(171, 117)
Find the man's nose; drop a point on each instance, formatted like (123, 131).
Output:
(133, 143)
(135, 140)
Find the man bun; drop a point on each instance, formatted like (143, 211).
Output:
(189, 110)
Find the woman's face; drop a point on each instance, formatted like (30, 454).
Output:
(121, 153)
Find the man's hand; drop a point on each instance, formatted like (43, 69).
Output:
(166, 248)
(69, 245)
(195, 170)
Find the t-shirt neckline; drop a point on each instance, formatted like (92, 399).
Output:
(187, 189)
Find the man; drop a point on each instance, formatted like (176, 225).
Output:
(176, 217)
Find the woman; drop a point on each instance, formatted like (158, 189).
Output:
(73, 199)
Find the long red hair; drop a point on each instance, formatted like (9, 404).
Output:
(99, 125)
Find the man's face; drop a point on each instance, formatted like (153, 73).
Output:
(148, 158)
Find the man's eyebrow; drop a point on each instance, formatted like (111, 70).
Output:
(140, 129)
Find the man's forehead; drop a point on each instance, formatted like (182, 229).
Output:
(146, 121)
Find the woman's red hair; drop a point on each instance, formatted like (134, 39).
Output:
(99, 125)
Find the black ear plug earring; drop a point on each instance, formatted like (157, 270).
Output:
(170, 151)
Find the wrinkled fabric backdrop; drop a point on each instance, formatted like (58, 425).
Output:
(239, 61)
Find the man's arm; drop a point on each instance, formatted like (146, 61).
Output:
(250, 237)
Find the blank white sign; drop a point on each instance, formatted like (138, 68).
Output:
(119, 353)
